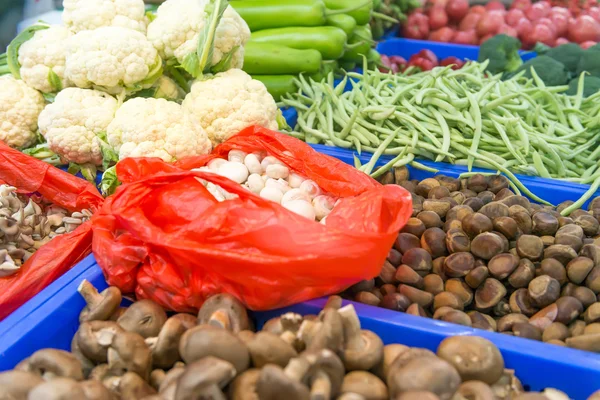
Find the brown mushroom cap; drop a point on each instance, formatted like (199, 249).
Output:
(143, 317)
(474, 357)
(425, 374)
(17, 384)
(165, 347)
(224, 311)
(51, 363)
(268, 348)
(508, 386)
(170, 379)
(94, 390)
(188, 320)
(86, 364)
(128, 352)
(243, 386)
(94, 337)
(100, 306)
(474, 390)
(204, 378)
(132, 387)
(207, 340)
(390, 352)
(417, 395)
(57, 389)
(364, 349)
(272, 382)
(365, 384)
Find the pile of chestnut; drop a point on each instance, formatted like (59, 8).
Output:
(140, 353)
(478, 254)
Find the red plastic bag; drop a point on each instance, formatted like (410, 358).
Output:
(164, 236)
(56, 257)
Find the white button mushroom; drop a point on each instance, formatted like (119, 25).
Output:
(237, 156)
(310, 188)
(277, 171)
(272, 193)
(323, 205)
(215, 163)
(214, 190)
(235, 171)
(260, 154)
(301, 207)
(295, 180)
(294, 194)
(280, 184)
(253, 164)
(255, 183)
(269, 160)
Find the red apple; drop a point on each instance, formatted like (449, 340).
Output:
(520, 5)
(513, 16)
(465, 37)
(537, 11)
(457, 9)
(437, 18)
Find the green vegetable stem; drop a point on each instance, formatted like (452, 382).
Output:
(342, 21)
(274, 59)
(328, 40)
(267, 14)
(360, 42)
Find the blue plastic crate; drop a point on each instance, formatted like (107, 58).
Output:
(407, 47)
(52, 318)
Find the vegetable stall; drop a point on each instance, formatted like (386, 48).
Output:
(269, 199)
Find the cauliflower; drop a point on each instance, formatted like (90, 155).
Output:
(81, 15)
(229, 102)
(42, 59)
(164, 88)
(74, 123)
(112, 58)
(146, 127)
(20, 106)
(175, 34)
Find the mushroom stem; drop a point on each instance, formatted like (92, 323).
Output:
(297, 369)
(220, 319)
(288, 337)
(321, 387)
(352, 336)
(88, 292)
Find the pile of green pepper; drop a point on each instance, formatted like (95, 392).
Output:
(312, 37)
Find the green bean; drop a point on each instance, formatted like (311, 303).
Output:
(445, 132)
(367, 168)
(586, 196)
(476, 113)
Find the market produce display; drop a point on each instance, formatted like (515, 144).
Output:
(477, 254)
(455, 21)
(463, 117)
(139, 352)
(128, 83)
(27, 223)
(387, 13)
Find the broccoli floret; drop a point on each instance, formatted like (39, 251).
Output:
(550, 71)
(568, 54)
(595, 47)
(502, 51)
(590, 62)
(591, 84)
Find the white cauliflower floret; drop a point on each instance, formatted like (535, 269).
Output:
(81, 15)
(72, 123)
(147, 127)
(229, 102)
(44, 52)
(20, 106)
(178, 24)
(111, 58)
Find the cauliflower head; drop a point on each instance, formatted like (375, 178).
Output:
(42, 59)
(20, 107)
(175, 33)
(147, 127)
(112, 58)
(82, 15)
(73, 123)
(229, 102)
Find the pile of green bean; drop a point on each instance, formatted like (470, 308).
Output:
(463, 117)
